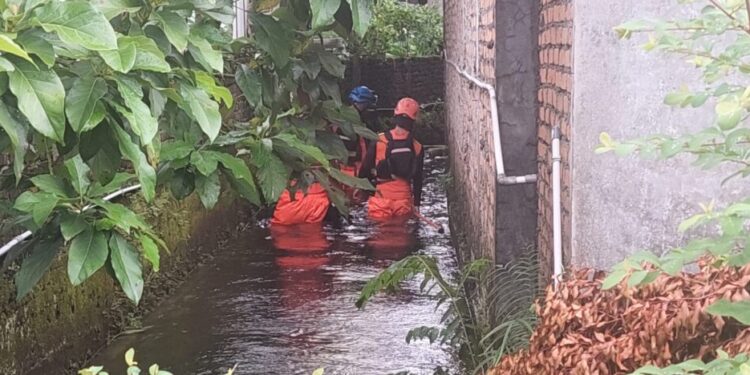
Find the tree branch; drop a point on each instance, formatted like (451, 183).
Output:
(732, 16)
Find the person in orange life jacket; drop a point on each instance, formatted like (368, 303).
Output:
(395, 163)
(363, 100)
(306, 208)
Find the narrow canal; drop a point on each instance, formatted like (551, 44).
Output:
(273, 311)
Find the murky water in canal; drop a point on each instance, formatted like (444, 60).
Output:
(279, 312)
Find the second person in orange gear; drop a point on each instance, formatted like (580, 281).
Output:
(395, 163)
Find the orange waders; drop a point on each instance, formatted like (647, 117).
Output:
(393, 197)
(304, 209)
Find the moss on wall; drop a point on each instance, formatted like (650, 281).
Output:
(69, 323)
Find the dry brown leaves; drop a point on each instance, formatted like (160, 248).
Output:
(585, 330)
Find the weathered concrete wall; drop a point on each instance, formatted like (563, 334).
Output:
(621, 205)
(420, 78)
(516, 82)
(555, 105)
(470, 42)
(58, 324)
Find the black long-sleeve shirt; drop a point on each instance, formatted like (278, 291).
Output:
(369, 165)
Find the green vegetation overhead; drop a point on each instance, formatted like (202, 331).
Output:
(400, 29)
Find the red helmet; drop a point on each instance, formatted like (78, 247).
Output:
(407, 107)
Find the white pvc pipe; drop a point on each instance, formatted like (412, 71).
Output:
(502, 179)
(556, 207)
(23, 236)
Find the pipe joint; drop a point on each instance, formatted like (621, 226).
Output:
(516, 180)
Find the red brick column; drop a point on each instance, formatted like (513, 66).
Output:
(555, 98)
(470, 43)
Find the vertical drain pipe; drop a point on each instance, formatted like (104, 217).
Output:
(556, 207)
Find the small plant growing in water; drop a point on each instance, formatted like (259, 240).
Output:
(488, 309)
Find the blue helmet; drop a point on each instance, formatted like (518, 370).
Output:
(363, 94)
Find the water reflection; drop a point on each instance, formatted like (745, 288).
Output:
(280, 300)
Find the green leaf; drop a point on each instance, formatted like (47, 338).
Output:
(331, 88)
(251, 85)
(614, 278)
(148, 56)
(78, 173)
(88, 252)
(302, 150)
(39, 205)
(208, 189)
(332, 64)
(41, 98)
(17, 135)
(81, 100)
(96, 117)
(738, 310)
(113, 8)
(130, 357)
(51, 184)
(176, 150)
(121, 59)
(150, 251)
(204, 161)
(205, 54)
(728, 114)
(119, 180)
(72, 225)
(77, 23)
(122, 216)
(204, 110)
(357, 183)
(127, 267)
(9, 45)
(207, 82)
(146, 173)
(332, 145)
(272, 37)
(323, 12)
(34, 41)
(141, 121)
(35, 266)
(175, 27)
(273, 174)
(361, 15)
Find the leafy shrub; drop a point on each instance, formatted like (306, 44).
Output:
(501, 325)
(105, 93)
(400, 29)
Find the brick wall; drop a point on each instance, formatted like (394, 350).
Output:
(470, 42)
(555, 94)
(419, 78)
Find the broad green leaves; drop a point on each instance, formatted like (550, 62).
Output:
(82, 99)
(121, 59)
(78, 23)
(9, 45)
(361, 15)
(78, 174)
(35, 266)
(323, 12)
(41, 97)
(146, 173)
(272, 37)
(204, 110)
(127, 267)
(737, 310)
(139, 115)
(175, 27)
(88, 252)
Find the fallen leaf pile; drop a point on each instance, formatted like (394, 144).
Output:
(586, 330)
